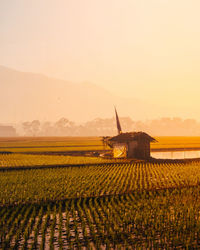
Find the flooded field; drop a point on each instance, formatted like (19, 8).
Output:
(138, 220)
(187, 154)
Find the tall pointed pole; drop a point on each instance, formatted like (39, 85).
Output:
(119, 129)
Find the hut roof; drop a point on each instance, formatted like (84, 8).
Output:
(132, 136)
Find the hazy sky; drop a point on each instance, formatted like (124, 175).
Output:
(148, 49)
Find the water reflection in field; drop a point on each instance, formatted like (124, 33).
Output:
(176, 154)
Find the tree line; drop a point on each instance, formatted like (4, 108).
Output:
(107, 127)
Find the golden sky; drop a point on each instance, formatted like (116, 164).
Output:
(146, 49)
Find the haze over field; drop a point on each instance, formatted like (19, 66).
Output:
(27, 96)
(142, 56)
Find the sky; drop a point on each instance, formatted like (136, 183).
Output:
(146, 49)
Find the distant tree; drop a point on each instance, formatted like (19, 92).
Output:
(47, 129)
(62, 123)
(26, 127)
(65, 126)
(31, 128)
(127, 124)
(35, 126)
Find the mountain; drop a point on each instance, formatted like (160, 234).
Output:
(27, 96)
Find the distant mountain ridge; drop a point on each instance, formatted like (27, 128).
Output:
(27, 96)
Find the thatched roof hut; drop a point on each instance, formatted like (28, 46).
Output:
(131, 145)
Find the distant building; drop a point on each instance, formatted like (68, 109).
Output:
(131, 145)
(7, 131)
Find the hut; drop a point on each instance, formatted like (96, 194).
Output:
(130, 145)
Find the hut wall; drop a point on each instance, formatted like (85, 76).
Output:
(139, 149)
(143, 150)
(132, 146)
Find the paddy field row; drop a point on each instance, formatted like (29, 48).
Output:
(42, 185)
(20, 161)
(55, 144)
(147, 220)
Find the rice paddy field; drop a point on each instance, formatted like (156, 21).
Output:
(176, 143)
(50, 144)
(80, 202)
(23, 161)
(55, 144)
